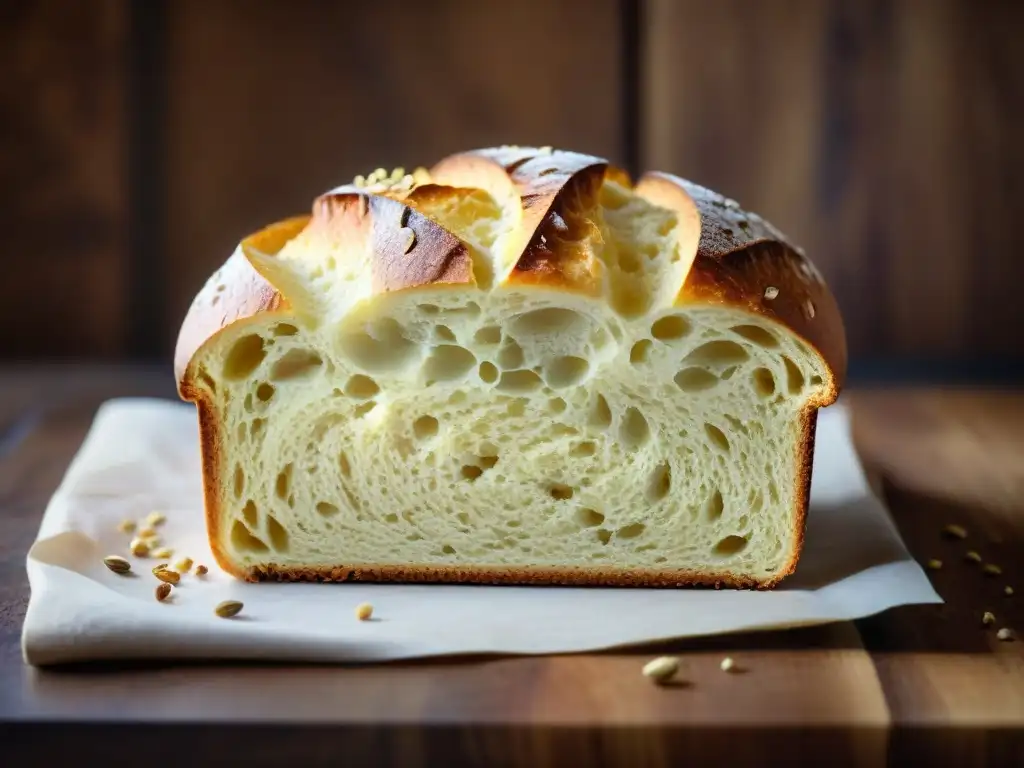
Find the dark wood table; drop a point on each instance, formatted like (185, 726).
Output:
(924, 684)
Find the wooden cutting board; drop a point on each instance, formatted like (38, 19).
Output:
(927, 684)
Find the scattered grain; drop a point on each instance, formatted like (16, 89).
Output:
(171, 577)
(988, 618)
(184, 565)
(1005, 634)
(126, 526)
(973, 556)
(935, 564)
(661, 669)
(160, 567)
(771, 293)
(147, 532)
(364, 611)
(163, 591)
(139, 548)
(228, 608)
(955, 531)
(117, 564)
(991, 569)
(728, 665)
(1008, 590)
(163, 552)
(154, 519)
(201, 570)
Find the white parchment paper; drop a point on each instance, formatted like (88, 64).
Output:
(142, 455)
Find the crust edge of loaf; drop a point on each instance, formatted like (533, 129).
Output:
(498, 575)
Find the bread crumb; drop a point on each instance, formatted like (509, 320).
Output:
(1005, 634)
(661, 669)
(727, 665)
(988, 618)
(364, 611)
(955, 531)
(935, 564)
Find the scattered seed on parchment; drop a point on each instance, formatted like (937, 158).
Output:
(126, 526)
(147, 532)
(153, 519)
(201, 570)
(139, 548)
(228, 608)
(991, 569)
(1005, 634)
(184, 565)
(162, 591)
(163, 552)
(988, 618)
(364, 611)
(117, 564)
(170, 577)
(160, 567)
(727, 665)
(955, 531)
(661, 669)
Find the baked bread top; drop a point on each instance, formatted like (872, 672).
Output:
(511, 216)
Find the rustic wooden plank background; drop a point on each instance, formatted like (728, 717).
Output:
(143, 138)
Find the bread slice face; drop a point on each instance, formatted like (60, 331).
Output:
(517, 368)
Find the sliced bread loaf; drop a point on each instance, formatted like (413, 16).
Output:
(517, 367)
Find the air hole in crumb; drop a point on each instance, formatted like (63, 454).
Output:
(604, 535)
(695, 380)
(730, 545)
(714, 506)
(284, 481)
(728, 372)
(641, 351)
(755, 333)
(424, 427)
(296, 364)
(511, 355)
(243, 541)
(600, 413)
(560, 491)
(471, 471)
(285, 329)
(716, 436)
(659, 483)
(565, 371)
(326, 509)
(448, 362)
(245, 356)
(343, 463)
(630, 531)
(488, 372)
(586, 448)
(794, 376)
(429, 309)
(589, 518)
(551, 320)
(361, 387)
(634, 430)
(670, 327)
(517, 407)
(390, 517)
(815, 381)
(557, 405)
(718, 353)
(265, 391)
(250, 514)
(381, 346)
(463, 518)
(239, 481)
(444, 333)
(519, 381)
(278, 534)
(256, 428)
(364, 408)
(489, 334)
(208, 381)
(448, 549)
(764, 382)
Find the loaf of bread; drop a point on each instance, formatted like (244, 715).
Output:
(517, 367)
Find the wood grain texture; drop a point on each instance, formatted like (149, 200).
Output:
(63, 208)
(926, 683)
(882, 135)
(273, 103)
